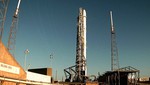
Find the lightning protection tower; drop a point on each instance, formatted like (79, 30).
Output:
(13, 31)
(114, 49)
(3, 10)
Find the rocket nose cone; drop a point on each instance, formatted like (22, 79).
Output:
(84, 13)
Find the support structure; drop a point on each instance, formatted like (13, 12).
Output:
(13, 31)
(3, 10)
(114, 49)
(127, 76)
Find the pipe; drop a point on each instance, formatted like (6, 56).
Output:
(23, 81)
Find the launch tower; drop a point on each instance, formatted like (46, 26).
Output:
(78, 72)
(81, 68)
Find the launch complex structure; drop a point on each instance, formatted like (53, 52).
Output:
(78, 72)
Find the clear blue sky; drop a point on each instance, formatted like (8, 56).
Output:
(49, 26)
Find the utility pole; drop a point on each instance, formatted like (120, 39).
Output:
(3, 10)
(56, 76)
(51, 57)
(114, 49)
(25, 61)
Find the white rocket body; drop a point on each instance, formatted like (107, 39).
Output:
(84, 32)
(84, 39)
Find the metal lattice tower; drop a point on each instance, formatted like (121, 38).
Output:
(13, 31)
(12, 35)
(81, 46)
(114, 49)
(3, 10)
